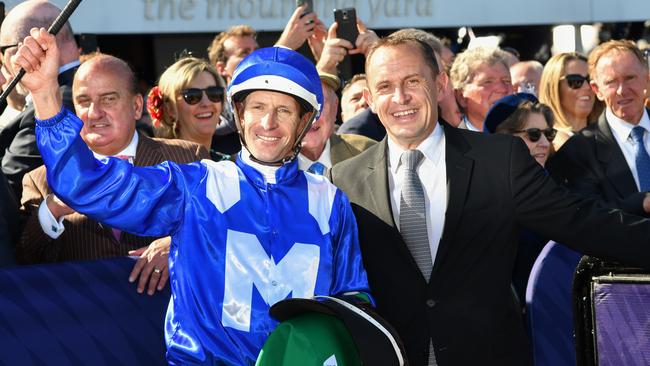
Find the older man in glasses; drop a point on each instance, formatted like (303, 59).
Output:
(17, 140)
(609, 160)
(106, 99)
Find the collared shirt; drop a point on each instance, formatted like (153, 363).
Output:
(469, 124)
(69, 66)
(325, 158)
(622, 131)
(433, 176)
(267, 171)
(8, 115)
(53, 227)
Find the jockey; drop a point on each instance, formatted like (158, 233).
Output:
(245, 234)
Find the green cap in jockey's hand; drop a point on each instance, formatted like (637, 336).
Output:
(310, 339)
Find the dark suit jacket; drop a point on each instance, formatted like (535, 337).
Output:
(9, 224)
(343, 147)
(18, 139)
(84, 238)
(226, 139)
(467, 307)
(592, 164)
(366, 124)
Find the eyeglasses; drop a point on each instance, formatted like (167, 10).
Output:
(4, 48)
(534, 134)
(575, 81)
(194, 95)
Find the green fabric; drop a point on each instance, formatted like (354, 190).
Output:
(309, 340)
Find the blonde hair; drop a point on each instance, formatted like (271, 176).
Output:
(549, 89)
(176, 78)
(462, 70)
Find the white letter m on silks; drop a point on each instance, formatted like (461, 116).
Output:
(248, 265)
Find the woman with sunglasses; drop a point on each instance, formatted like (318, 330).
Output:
(564, 87)
(187, 103)
(523, 115)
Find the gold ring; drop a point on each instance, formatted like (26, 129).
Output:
(157, 271)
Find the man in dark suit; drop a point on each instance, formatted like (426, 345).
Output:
(106, 99)
(601, 160)
(321, 147)
(439, 236)
(17, 139)
(9, 219)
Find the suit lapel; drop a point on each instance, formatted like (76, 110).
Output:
(377, 180)
(612, 159)
(147, 153)
(459, 171)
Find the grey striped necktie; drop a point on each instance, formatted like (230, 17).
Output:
(413, 217)
(413, 221)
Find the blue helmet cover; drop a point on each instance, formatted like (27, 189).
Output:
(278, 69)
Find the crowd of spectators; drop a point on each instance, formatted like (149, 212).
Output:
(583, 118)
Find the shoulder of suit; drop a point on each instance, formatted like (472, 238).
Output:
(474, 137)
(356, 162)
(590, 131)
(358, 141)
(175, 143)
(357, 122)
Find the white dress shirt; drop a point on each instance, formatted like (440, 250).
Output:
(433, 176)
(622, 133)
(469, 125)
(325, 158)
(8, 115)
(53, 227)
(69, 66)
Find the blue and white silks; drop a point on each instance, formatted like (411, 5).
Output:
(238, 246)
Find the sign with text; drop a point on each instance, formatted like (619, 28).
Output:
(206, 16)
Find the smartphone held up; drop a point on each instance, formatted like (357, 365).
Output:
(347, 24)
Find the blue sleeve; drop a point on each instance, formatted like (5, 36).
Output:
(145, 201)
(350, 275)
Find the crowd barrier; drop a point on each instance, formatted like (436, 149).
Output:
(87, 313)
(612, 307)
(79, 313)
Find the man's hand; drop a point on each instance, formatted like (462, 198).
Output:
(57, 207)
(298, 29)
(153, 266)
(317, 40)
(366, 38)
(334, 51)
(38, 55)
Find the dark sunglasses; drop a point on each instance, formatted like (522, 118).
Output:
(4, 48)
(194, 95)
(534, 134)
(575, 81)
